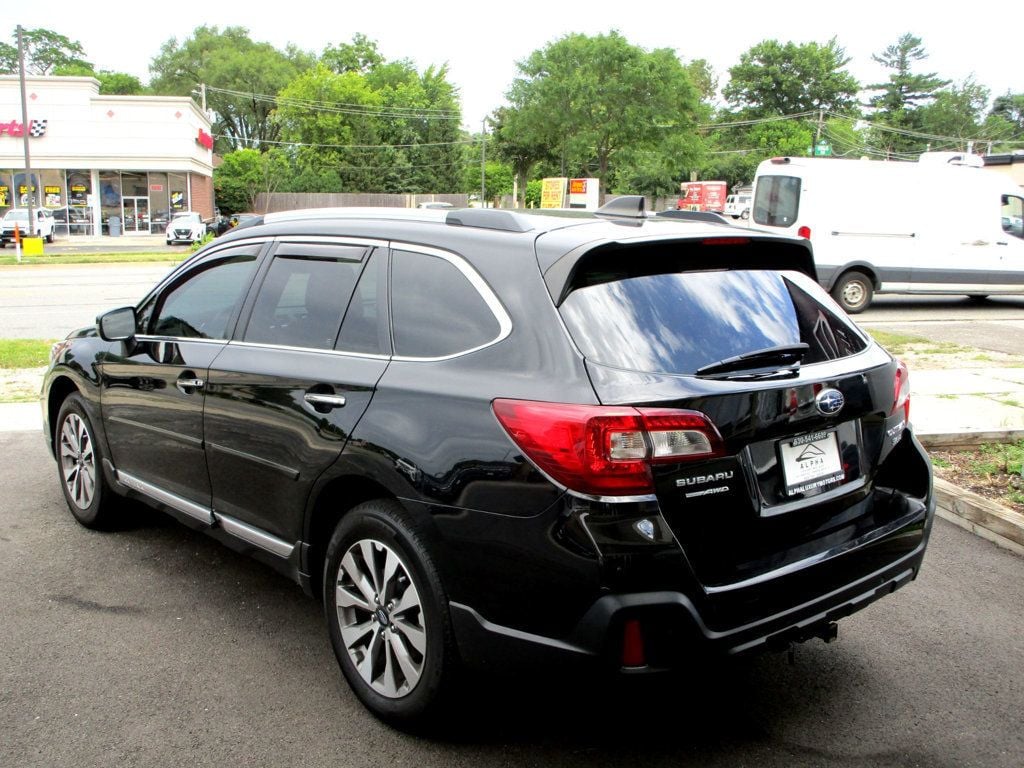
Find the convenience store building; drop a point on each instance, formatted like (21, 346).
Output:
(104, 164)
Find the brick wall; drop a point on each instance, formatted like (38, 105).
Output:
(202, 194)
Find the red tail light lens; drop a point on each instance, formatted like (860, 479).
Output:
(804, 232)
(606, 450)
(901, 390)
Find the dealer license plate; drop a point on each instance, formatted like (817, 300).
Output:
(811, 461)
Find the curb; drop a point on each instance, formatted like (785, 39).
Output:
(969, 439)
(980, 516)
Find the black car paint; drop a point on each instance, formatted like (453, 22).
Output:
(524, 563)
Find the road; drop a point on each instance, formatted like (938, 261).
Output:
(156, 646)
(49, 301)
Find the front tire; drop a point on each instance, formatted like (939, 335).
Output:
(853, 292)
(80, 468)
(387, 614)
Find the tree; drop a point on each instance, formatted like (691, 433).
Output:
(956, 112)
(773, 78)
(361, 55)
(590, 98)
(242, 77)
(111, 83)
(904, 92)
(521, 149)
(45, 51)
(246, 173)
(497, 179)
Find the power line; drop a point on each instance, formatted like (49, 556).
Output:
(418, 113)
(350, 146)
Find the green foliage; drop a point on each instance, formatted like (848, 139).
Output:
(897, 104)
(956, 111)
(361, 55)
(111, 83)
(244, 75)
(205, 240)
(774, 78)
(589, 99)
(244, 174)
(531, 198)
(45, 52)
(24, 353)
(497, 179)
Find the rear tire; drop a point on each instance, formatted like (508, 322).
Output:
(387, 615)
(80, 468)
(853, 292)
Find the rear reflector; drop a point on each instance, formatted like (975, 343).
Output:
(606, 450)
(804, 232)
(633, 644)
(901, 391)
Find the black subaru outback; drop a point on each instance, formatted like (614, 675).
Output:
(481, 435)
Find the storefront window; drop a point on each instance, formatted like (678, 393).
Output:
(25, 189)
(110, 202)
(158, 203)
(79, 209)
(178, 193)
(5, 191)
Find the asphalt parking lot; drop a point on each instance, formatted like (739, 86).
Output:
(157, 646)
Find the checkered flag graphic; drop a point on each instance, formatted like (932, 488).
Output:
(36, 128)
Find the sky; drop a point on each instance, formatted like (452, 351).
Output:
(481, 41)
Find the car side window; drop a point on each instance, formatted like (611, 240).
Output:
(203, 303)
(1013, 215)
(304, 296)
(365, 328)
(436, 310)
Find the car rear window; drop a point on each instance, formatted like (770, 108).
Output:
(679, 322)
(777, 201)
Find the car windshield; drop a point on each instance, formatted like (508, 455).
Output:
(180, 218)
(17, 215)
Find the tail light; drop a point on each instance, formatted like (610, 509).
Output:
(901, 391)
(606, 450)
(804, 232)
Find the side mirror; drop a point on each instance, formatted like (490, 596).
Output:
(117, 324)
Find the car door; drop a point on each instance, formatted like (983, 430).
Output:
(284, 397)
(153, 393)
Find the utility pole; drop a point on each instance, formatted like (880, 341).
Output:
(30, 187)
(202, 93)
(821, 118)
(483, 156)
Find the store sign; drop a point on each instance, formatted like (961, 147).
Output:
(577, 186)
(204, 139)
(36, 128)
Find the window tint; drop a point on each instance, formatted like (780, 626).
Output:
(777, 200)
(677, 323)
(302, 298)
(436, 311)
(364, 328)
(1013, 215)
(204, 302)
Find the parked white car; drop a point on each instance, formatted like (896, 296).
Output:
(19, 216)
(185, 227)
(738, 206)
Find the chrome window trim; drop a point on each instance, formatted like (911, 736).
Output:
(482, 288)
(308, 350)
(179, 339)
(366, 242)
(173, 500)
(255, 536)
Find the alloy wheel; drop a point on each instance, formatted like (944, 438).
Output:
(78, 461)
(381, 618)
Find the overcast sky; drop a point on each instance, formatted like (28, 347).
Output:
(482, 41)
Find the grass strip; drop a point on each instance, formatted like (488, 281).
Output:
(24, 353)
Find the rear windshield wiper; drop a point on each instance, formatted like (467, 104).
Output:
(784, 356)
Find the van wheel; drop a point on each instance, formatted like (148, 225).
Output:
(853, 292)
(387, 615)
(49, 238)
(745, 215)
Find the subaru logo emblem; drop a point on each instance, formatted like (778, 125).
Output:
(829, 402)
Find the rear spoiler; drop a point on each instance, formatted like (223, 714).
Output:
(588, 265)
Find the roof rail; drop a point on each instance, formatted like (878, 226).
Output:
(488, 218)
(709, 216)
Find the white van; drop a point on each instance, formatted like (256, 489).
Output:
(738, 205)
(932, 227)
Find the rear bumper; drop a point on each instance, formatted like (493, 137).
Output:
(677, 627)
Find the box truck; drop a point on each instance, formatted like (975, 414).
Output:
(702, 196)
(941, 225)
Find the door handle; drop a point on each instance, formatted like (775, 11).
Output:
(188, 386)
(327, 402)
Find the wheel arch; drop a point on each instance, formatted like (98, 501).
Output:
(60, 389)
(855, 266)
